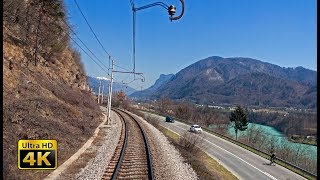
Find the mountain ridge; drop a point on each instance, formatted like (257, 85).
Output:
(93, 83)
(163, 78)
(213, 79)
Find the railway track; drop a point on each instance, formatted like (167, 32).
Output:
(132, 158)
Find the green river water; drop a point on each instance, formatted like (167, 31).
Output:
(279, 138)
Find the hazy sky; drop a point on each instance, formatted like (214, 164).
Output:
(282, 32)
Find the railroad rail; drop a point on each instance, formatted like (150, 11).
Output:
(132, 157)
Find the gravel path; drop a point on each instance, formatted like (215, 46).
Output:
(167, 161)
(96, 166)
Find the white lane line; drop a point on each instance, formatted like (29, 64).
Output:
(265, 173)
(213, 157)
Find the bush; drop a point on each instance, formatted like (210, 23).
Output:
(152, 121)
(191, 142)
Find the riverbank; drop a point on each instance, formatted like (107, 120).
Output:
(303, 141)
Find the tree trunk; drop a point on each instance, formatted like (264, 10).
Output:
(236, 134)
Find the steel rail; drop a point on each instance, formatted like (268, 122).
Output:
(114, 175)
(149, 156)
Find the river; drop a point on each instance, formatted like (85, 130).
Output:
(279, 138)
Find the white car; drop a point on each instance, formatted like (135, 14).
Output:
(196, 128)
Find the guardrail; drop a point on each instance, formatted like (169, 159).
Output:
(261, 153)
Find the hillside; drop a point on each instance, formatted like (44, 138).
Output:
(45, 92)
(163, 79)
(241, 80)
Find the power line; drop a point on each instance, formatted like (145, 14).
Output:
(30, 45)
(132, 3)
(91, 27)
(87, 54)
(75, 43)
(122, 68)
(95, 33)
(85, 45)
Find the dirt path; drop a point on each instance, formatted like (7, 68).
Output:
(56, 173)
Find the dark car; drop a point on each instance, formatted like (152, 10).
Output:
(169, 119)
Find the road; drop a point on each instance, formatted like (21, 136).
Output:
(239, 161)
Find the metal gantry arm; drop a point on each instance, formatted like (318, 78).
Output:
(151, 5)
(171, 9)
(127, 83)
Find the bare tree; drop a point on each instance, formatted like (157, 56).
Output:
(164, 104)
(191, 142)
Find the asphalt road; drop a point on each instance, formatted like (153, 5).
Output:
(239, 161)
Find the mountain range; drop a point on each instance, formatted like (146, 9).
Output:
(94, 85)
(163, 79)
(238, 80)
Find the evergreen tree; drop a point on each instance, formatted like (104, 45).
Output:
(240, 119)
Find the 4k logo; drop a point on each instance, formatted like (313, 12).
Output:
(37, 154)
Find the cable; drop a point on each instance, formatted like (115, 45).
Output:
(86, 48)
(88, 54)
(94, 32)
(29, 45)
(128, 75)
(122, 68)
(85, 45)
(132, 4)
(75, 43)
(91, 27)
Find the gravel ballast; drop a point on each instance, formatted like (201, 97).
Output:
(166, 159)
(96, 166)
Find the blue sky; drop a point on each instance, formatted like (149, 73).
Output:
(282, 32)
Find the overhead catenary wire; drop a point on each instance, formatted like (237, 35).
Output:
(91, 28)
(86, 48)
(85, 45)
(122, 68)
(96, 37)
(81, 47)
(132, 3)
(78, 37)
(76, 43)
(29, 45)
(87, 54)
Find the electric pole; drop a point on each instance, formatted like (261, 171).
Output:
(99, 92)
(102, 93)
(110, 93)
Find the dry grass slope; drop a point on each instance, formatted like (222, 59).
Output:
(48, 101)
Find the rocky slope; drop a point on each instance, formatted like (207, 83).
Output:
(44, 85)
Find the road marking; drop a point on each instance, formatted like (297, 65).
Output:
(265, 173)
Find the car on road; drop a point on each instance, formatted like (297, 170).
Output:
(196, 128)
(169, 119)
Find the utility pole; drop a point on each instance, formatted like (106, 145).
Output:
(110, 93)
(99, 92)
(102, 93)
(110, 89)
